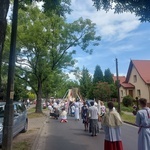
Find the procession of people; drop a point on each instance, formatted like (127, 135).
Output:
(96, 117)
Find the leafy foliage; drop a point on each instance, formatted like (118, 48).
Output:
(58, 7)
(108, 77)
(98, 75)
(141, 8)
(85, 83)
(127, 101)
(102, 91)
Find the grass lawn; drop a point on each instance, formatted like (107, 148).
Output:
(128, 118)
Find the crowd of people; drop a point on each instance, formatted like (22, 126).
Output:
(96, 117)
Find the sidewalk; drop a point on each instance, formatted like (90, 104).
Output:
(30, 139)
(39, 122)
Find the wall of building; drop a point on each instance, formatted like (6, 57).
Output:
(139, 85)
(123, 92)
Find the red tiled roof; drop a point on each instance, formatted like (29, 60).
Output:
(143, 68)
(127, 85)
(121, 78)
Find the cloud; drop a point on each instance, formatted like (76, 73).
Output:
(109, 25)
(122, 48)
(123, 37)
(71, 76)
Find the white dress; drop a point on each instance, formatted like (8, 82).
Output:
(77, 110)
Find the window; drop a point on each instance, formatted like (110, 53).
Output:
(138, 93)
(134, 78)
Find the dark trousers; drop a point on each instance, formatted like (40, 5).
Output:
(93, 127)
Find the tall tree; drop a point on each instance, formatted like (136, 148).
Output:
(102, 91)
(44, 45)
(4, 6)
(98, 75)
(58, 6)
(85, 83)
(141, 8)
(53, 84)
(108, 77)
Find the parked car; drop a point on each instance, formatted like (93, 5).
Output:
(20, 120)
(88, 102)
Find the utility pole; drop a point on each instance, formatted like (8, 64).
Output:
(9, 108)
(118, 85)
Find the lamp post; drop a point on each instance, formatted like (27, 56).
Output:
(9, 108)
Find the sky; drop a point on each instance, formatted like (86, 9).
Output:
(123, 37)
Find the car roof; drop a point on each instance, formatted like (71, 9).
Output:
(14, 102)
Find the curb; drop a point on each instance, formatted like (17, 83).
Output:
(130, 123)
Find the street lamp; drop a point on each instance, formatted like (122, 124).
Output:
(9, 108)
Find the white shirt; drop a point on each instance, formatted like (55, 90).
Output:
(63, 115)
(93, 112)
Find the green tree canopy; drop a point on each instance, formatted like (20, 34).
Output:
(141, 8)
(98, 75)
(44, 44)
(85, 83)
(102, 91)
(58, 7)
(108, 77)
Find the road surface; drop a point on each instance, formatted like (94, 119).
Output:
(71, 136)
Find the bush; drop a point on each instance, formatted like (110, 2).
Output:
(127, 101)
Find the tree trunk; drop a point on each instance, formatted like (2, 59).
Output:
(4, 6)
(39, 97)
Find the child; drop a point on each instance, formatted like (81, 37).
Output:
(63, 116)
(72, 110)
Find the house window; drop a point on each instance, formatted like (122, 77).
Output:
(139, 93)
(122, 93)
(134, 78)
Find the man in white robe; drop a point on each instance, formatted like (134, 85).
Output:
(143, 121)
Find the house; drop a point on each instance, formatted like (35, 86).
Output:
(137, 81)
(124, 88)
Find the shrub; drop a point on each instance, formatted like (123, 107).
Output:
(127, 101)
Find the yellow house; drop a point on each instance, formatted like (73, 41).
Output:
(137, 81)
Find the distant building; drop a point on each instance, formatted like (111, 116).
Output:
(137, 81)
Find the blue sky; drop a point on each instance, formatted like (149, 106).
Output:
(123, 37)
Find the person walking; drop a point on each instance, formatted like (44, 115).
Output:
(143, 122)
(111, 123)
(84, 114)
(93, 115)
(77, 110)
(72, 110)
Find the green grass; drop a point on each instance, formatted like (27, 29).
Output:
(24, 145)
(128, 118)
(31, 110)
(35, 115)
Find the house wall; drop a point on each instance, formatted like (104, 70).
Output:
(123, 92)
(139, 85)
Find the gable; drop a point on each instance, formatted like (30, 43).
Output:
(143, 69)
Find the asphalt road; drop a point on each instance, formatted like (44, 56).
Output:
(71, 136)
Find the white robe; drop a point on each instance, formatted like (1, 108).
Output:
(77, 106)
(143, 122)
